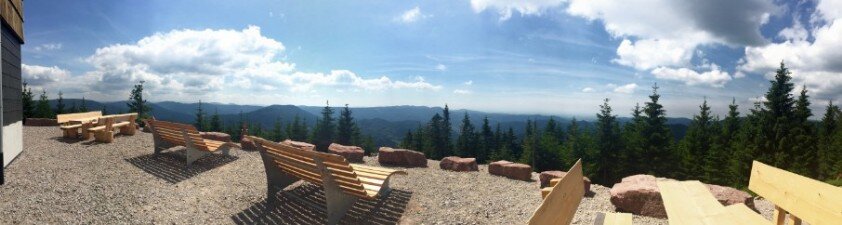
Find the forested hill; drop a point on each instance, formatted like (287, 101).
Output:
(386, 125)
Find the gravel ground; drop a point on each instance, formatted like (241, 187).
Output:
(58, 181)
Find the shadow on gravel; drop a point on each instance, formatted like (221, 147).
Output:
(67, 140)
(299, 210)
(170, 166)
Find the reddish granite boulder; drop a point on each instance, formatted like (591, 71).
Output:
(545, 177)
(458, 164)
(639, 194)
(730, 196)
(216, 136)
(299, 144)
(247, 144)
(401, 157)
(511, 170)
(351, 153)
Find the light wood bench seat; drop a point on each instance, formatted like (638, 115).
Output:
(104, 130)
(70, 126)
(343, 182)
(167, 135)
(690, 202)
(562, 198)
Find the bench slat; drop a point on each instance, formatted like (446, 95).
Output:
(815, 202)
(560, 205)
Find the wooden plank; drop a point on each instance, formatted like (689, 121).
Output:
(812, 201)
(688, 202)
(560, 205)
(545, 191)
(12, 12)
(739, 214)
(617, 219)
(67, 117)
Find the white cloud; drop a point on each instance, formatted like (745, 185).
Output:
(184, 63)
(670, 37)
(48, 47)
(817, 64)
(462, 92)
(411, 15)
(507, 7)
(441, 67)
(588, 90)
(625, 89)
(470, 82)
(41, 75)
(714, 78)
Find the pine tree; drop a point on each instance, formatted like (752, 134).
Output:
(546, 153)
(73, 108)
(696, 144)
(27, 102)
(657, 137)
(804, 149)
(778, 119)
(466, 143)
(277, 131)
(722, 147)
(406, 143)
(345, 127)
(42, 109)
(486, 142)
(634, 143)
(447, 132)
(84, 106)
(435, 145)
(829, 126)
(514, 146)
(216, 122)
(325, 129)
(137, 104)
(747, 146)
(608, 147)
(297, 131)
(201, 123)
(60, 106)
(419, 138)
(578, 145)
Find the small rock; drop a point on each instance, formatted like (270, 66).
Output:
(458, 164)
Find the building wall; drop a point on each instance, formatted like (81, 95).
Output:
(11, 101)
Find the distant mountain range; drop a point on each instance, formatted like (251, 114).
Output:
(387, 124)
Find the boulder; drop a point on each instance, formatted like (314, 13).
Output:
(545, 177)
(639, 194)
(517, 171)
(401, 157)
(299, 144)
(351, 153)
(247, 144)
(455, 163)
(40, 122)
(216, 136)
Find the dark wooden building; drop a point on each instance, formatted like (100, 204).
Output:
(11, 143)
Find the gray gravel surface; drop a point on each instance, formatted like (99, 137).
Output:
(58, 181)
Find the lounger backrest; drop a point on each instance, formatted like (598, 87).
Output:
(174, 133)
(812, 201)
(64, 118)
(560, 205)
(305, 164)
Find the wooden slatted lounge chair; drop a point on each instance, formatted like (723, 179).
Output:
(562, 198)
(70, 123)
(168, 134)
(104, 131)
(690, 202)
(343, 182)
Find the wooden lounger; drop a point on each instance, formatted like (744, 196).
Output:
(168, 134)
(70, 128)
(343, 183)
(104, 131)
(562, 198)
(690, 202)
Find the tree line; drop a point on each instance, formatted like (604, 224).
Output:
(342, 130)
(41, 108)
(776, 131)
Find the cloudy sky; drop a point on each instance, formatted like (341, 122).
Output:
(558, 57)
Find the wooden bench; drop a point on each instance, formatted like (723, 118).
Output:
(105, 126)
(343, 182)
(690, 202)
(562, 198)
(167, 135)
(71, 123)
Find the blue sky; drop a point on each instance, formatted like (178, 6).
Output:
(559, 57)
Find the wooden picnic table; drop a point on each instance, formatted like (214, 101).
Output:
(691, 203)
(86, 122)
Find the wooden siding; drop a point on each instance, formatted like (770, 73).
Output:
(12, 107)
(12, 14)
